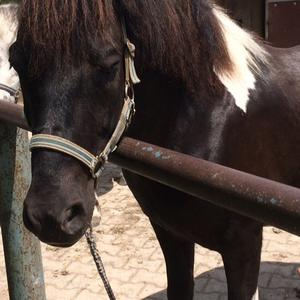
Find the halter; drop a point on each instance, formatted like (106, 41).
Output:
(96, 163)
(12, 92)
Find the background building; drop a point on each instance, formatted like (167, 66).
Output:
(276, 20)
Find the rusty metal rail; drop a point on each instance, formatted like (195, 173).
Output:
(264, 200)
(13, 114)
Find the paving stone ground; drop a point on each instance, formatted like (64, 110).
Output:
(135, 265)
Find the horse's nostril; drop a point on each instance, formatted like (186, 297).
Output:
(72, 219)
(73, 212)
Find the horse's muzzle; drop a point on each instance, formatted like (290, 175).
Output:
(61, 230)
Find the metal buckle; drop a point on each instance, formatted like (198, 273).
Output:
(131, 113)
(98, 166)
(129, 91)
(129, 96)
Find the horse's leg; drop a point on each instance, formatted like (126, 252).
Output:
(241, 254)
(179, 257)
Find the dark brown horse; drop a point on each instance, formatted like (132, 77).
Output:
(208, 89)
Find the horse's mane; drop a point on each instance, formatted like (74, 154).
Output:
(186, 38)
(178, 36)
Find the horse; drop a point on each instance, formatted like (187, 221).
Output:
(8, 76)
(207, 88)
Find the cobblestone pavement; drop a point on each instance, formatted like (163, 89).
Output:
(135, 265)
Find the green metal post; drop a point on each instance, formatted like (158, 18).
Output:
(22, 250)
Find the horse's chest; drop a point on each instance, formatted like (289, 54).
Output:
(179, 213)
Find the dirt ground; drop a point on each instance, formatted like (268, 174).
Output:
(134, 261)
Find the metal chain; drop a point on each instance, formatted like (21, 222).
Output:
(99, 264)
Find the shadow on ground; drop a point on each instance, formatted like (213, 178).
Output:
(277, 281)
(111, 174)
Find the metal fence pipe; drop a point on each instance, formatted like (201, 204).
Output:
(264, 200)
(22, 250)
(13, 114)
(261, 199)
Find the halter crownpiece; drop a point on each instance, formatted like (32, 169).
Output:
(96, 163)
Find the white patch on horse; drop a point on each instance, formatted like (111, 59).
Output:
(8, 28)
(245, 54)
(256, 295)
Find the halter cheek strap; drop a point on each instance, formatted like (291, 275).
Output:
(96, 163)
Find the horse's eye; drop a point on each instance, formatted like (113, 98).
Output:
(105, 60)
(107, 66)
(105, 73)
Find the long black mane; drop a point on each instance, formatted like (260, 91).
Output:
(181, 37)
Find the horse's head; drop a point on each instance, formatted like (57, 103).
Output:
(70, 60)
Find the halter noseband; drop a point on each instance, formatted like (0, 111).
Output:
(96, 163)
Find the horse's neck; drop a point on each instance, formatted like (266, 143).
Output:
(169, 116)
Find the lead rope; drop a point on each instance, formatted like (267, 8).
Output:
(98, 261)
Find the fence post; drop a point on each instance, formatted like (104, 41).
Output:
(22, 250)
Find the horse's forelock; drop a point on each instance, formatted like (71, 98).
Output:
(61, 27)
